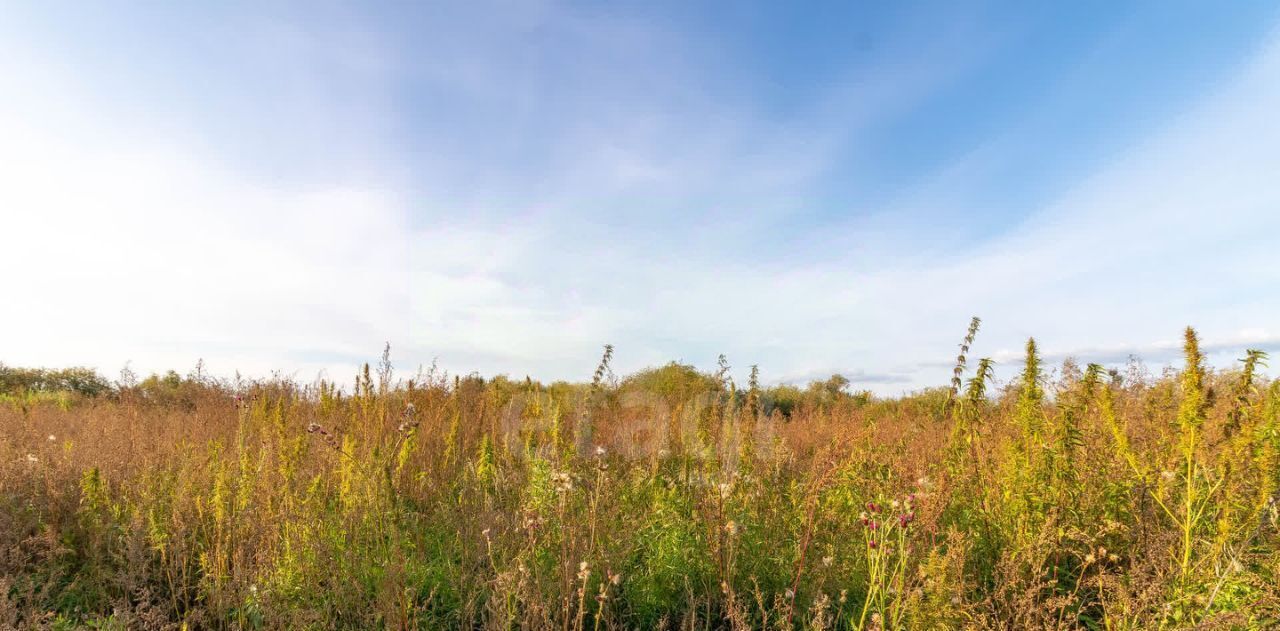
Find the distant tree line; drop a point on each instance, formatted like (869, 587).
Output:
(80, 380)
(166, 388)
(674, 383)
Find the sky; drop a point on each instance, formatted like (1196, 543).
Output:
(505, 187)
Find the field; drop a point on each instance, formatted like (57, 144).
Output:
(1070, 497)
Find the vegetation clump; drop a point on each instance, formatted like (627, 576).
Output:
(667, 499)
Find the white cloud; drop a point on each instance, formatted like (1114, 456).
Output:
(122, 242)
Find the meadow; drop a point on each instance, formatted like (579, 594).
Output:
(1068, 497)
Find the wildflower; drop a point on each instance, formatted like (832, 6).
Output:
(52, 438)
(562, 481)
(1089, 558)
(862, 517)
(895, 504)
(599, 451)
(407, 426)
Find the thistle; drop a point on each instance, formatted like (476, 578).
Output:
(602, 370)
(747, 422)
(1030, 414)
(1191, 417)
(962, 358)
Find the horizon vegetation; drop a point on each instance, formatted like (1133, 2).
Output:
(1078, 498)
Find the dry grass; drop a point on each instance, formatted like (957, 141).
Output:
(669, 499)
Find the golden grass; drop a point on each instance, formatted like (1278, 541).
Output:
(670, 499)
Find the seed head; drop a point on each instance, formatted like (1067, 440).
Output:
(562, 482)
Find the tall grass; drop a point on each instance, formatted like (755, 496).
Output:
(667, 499)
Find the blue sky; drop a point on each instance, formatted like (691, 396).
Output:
(506, 187)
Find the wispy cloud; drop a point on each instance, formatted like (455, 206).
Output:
(610, 190)
(1160, 351)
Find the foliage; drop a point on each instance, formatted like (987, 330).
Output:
(81, 381)
(670, 498)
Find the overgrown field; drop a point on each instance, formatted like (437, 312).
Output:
(1071, 497)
